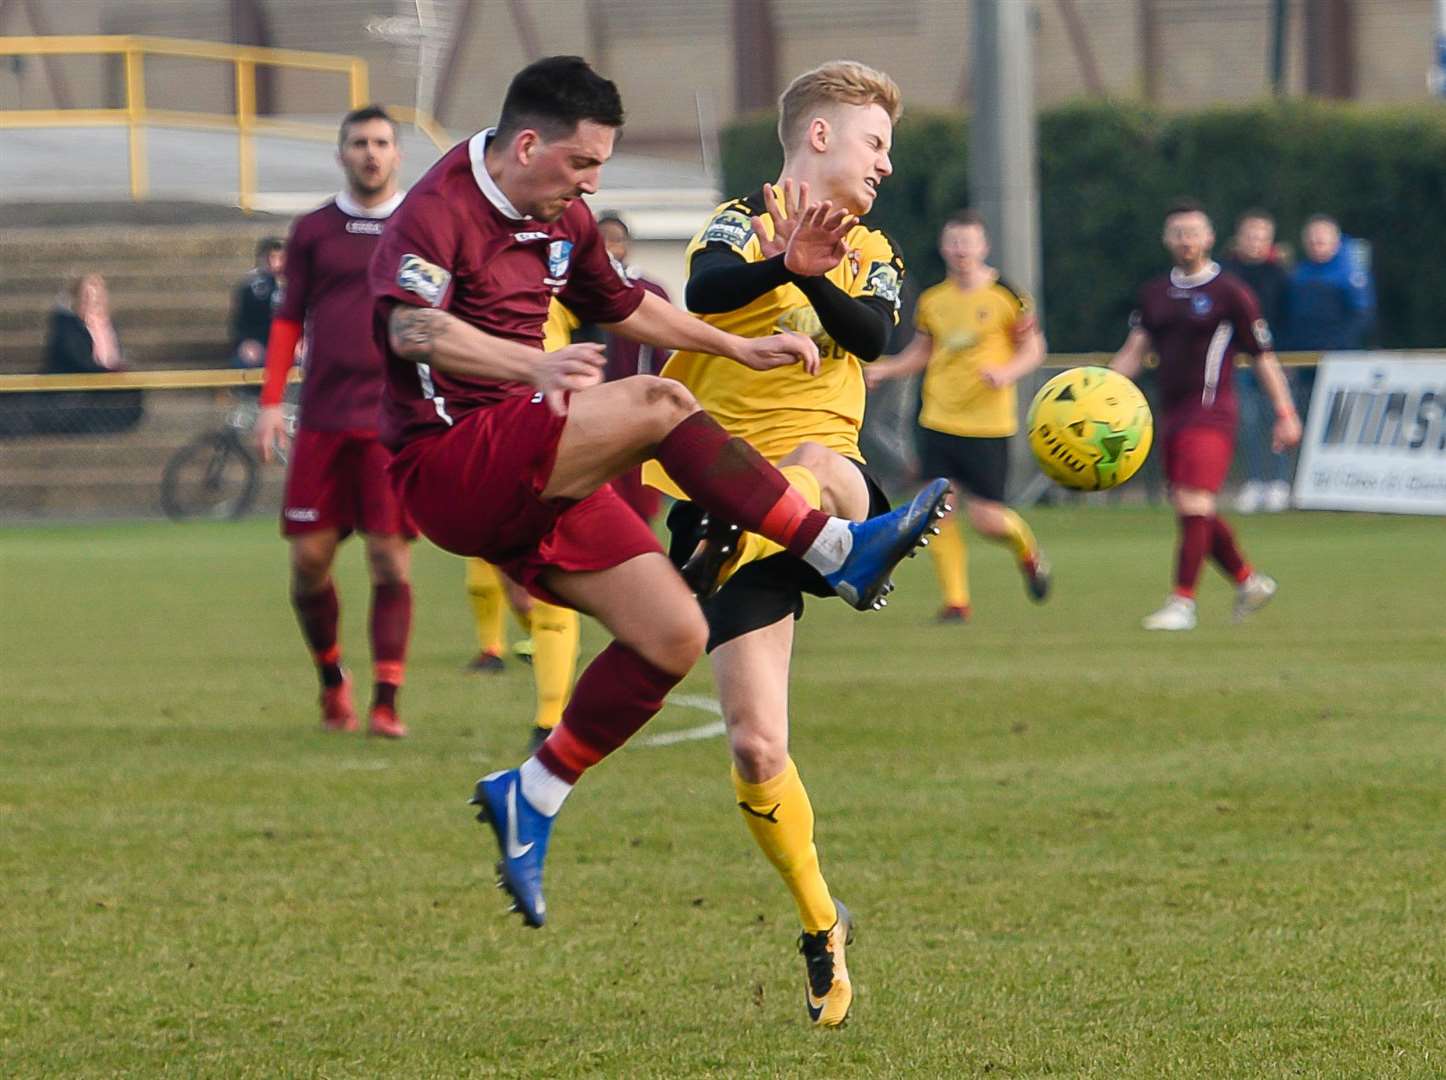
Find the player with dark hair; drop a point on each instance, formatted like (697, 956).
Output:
(336, 480)
(976, 337)
(504, 451)
(1197, 320)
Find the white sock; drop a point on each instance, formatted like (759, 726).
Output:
(544, 791)
(830, 547)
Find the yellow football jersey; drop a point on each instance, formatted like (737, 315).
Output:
(557, 330)
(779, 409)
(972, 330)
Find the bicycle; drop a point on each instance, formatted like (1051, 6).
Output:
(216, 475)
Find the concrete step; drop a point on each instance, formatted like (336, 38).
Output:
(92, 494)
(129, 277)
(162, 308)
(125, 242)
(145, 348)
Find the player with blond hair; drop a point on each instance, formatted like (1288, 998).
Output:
(793, 256)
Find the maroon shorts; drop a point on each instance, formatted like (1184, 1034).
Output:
(1198, 457)
(476, 490)
(338, 480)
(644, 500)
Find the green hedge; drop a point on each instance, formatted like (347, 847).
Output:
(1108, 169)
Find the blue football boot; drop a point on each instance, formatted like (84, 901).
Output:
(522, 835)
(880, 543)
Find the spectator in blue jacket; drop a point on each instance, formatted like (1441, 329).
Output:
(1330, 301)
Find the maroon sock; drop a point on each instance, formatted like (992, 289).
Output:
(391, 623)
(317, 612)
(617, 694)
(1194, 543)
(1225, 551)
(727, 476)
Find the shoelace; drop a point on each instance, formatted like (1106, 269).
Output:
(819, 960)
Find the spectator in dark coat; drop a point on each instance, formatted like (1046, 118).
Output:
(253, 302)
(1254, 259)
(82, 340)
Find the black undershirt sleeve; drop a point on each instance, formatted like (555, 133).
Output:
(721, 280)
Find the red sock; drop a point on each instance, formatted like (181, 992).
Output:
(617, 694)
(317, 613)
(727, 476)
(1194, 543)
(391, 623)
(1225, 551)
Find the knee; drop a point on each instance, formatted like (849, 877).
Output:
(666, 399)
(309, 570)
(388, 565)
(759, 753)
(679, 644)
(814, 457)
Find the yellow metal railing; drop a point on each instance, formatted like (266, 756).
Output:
(136, 116)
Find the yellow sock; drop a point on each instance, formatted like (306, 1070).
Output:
(1020, 540)
(484, 589)
(780, 817)
(951, 563)
(554, 659)
(752, 547)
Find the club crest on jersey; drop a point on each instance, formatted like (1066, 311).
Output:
(559, 257)
(883, 282)
(1200, 303)
(417, 275)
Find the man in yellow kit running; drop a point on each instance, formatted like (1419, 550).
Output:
(553, 631)
(772, 260)
(976, 337)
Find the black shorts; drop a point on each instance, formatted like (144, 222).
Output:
(978, 464)
(763, 592)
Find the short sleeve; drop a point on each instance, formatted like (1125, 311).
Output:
(596, 290)
(298, 275)
(416, 258)
(881, 271)
(1138, 313)
(1251, 330)
(1020, 321)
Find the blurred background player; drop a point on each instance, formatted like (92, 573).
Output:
(553, 631)
(1254, 260)
(1197, 319)
(777, 258)
(504, 452)
(976, 337)
(336, 480)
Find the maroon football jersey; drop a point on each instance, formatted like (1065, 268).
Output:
(458, 244)
(1198, 325)
(327, 256)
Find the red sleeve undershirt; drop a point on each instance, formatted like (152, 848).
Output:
(280, 352)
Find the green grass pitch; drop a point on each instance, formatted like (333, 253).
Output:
(1074, 849)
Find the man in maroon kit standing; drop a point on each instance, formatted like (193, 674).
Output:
(1197, 319)
(337, 479)
(505, 452)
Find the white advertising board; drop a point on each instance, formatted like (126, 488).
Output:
(1375, 438)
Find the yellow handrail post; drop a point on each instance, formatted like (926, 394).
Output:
(135, 121)
(245, 121)
(359, 87)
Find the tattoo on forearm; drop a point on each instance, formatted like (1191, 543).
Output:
(414, 330)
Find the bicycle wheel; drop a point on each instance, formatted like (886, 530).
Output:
(212, 476)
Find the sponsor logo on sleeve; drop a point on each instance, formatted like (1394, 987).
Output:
(730, 227)
(883, 282)
(417, 275)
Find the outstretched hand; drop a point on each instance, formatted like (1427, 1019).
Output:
(784, 219)
(819, 242)
(574, 367)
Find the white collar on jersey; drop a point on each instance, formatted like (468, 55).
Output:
(476, 147)
(1191, 281)
(351, 208)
